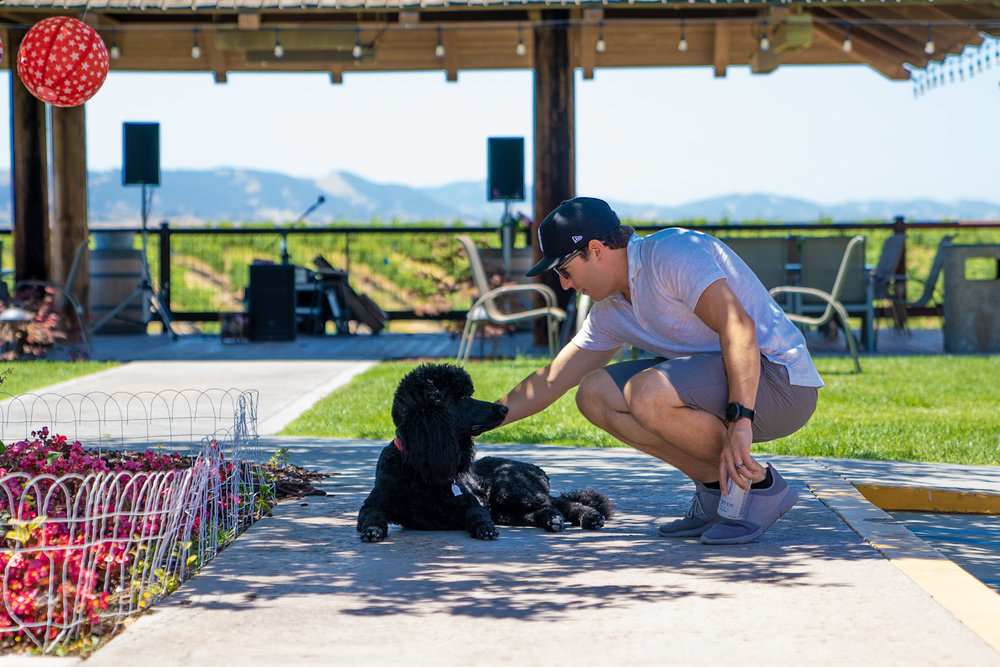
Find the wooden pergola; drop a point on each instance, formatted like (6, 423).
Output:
(552, 37)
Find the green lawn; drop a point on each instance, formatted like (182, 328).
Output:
(18, 377)
(927, 408)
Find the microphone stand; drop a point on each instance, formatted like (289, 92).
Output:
(284, 235)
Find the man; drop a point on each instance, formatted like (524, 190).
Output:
(731, 370)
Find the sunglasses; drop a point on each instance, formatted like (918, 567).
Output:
(561, 269)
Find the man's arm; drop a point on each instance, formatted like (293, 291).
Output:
(540, 389)
(722, 312)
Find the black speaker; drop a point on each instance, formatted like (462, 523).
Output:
(506, 161)
(140, 153)
(272, 302)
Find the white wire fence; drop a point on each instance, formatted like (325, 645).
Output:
(94, 533)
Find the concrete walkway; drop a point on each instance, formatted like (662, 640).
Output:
(835, 581)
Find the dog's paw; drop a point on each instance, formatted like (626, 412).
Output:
(592, 520)
(554, 522)
(373, 534)
(485, 532)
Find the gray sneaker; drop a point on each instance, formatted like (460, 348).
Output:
(701, 515)
(764, 508)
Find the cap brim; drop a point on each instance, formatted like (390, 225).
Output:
(543, 266)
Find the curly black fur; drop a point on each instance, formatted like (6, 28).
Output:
(428, 478)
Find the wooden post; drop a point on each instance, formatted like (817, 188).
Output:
(555, 154)
(28, 175)
(69, 210)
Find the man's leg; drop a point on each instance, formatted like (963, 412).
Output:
(602, 402)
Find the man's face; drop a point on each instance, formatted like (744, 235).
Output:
(585, 273)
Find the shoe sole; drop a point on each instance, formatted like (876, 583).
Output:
(790, 501)
(689, 532)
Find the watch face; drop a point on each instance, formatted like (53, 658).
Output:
(732, 411)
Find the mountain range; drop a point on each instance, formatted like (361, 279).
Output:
(187, 197)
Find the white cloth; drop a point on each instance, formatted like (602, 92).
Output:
(668, 271)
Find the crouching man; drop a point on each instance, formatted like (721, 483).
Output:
(731, 368)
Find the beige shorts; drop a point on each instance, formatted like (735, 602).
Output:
(700, 380)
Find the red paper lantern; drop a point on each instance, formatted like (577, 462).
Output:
(62, 61)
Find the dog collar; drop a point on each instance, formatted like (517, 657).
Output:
(398, 444)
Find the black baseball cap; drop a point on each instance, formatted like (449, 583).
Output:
(570, 227)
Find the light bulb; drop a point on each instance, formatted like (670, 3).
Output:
(682, 45)
(520, 50)
(848, 45)
(765, 44)
(601, 46)
(929, 47)
(279, 50)
(439, 50)
(196, 52)
(357, 51)
(116, 53)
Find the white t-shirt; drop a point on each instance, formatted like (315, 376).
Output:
(668, 271)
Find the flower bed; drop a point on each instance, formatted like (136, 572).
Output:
(91, 537)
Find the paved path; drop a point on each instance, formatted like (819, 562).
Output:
(836, 581)
(302, 589)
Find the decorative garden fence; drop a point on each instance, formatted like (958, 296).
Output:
(92, 536)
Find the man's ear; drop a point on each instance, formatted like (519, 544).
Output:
(596, 249)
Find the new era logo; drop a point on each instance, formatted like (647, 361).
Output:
(577, 239)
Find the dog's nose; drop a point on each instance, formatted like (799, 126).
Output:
(503, 409)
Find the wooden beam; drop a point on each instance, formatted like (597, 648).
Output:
(720, 49)
(29, 169)
(586, 39)
(69, 186)
(248, 21)
(866, 50)
(555, 152)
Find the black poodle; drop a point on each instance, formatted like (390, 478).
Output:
(428, 478)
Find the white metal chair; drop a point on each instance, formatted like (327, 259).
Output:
(491, 306)
(831, 299)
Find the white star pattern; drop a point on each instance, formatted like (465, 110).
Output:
(62, 61)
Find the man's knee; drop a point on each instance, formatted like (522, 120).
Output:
(596, 392)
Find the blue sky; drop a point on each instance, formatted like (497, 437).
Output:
(664, 136)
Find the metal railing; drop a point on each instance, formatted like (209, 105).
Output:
(419, 272)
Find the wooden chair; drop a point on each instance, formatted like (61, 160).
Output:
(493, 306)
(830, 298)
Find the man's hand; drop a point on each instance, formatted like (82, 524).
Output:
(735, 462)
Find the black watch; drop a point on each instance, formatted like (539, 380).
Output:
(735, 412)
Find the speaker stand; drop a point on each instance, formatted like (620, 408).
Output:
(145, 285)
(507, 238)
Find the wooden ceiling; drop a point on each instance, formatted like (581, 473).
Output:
(322, 35)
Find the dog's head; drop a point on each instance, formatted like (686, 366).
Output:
(436, 418)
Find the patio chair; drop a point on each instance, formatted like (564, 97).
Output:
(493, 306)
(766, 257)
(831, 299)
(932, 276)
(884, 277)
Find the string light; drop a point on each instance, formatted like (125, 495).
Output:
(357, 51)
(848, 45)
(520, 50)
(439, 49)
(601, 46)
(279, 50)
(929, 46)
(765, 43)
(682, 45)
(195, 49)
(115, 52)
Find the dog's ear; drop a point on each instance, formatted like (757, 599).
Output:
(427, 438)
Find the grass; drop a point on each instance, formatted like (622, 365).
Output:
(916, 408)
(19, 377)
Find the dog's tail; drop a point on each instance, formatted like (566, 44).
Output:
(587, 508)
